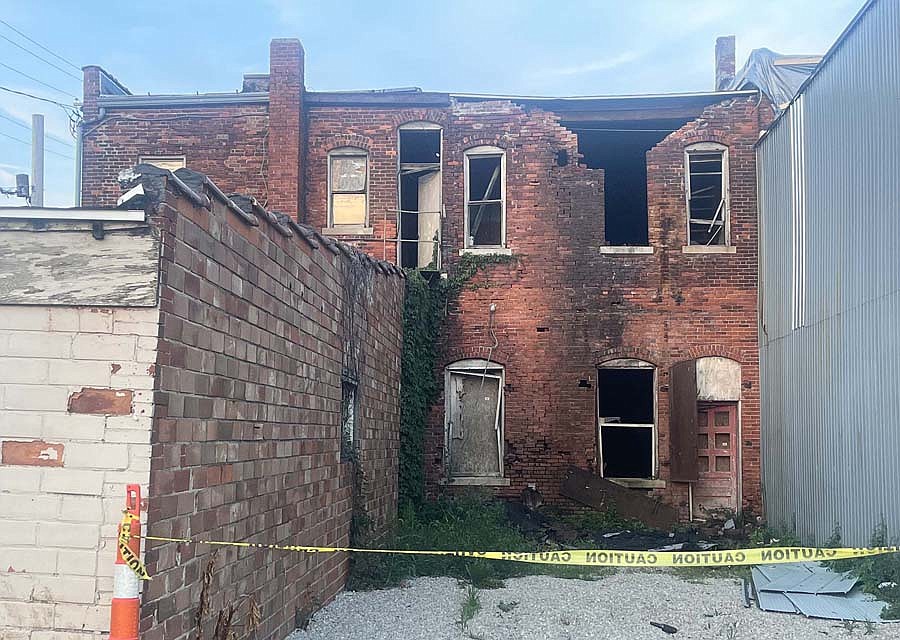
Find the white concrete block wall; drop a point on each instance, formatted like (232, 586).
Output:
(58, 523)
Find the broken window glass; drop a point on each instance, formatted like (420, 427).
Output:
(348, 185)
(484, 198)
(706, 194)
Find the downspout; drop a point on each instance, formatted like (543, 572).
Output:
(79, 141)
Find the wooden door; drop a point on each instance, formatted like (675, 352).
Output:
(474, 424)
(717, 457)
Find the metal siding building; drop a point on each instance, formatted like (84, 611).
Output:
(829, 198)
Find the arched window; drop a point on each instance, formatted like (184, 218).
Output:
(485, 177)
(473, 395)
(348, 188)
(706, 190)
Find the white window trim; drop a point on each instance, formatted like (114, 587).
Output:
(476, 367)
(355, 229)
(706, 147)
(485, 150)
(631, 363)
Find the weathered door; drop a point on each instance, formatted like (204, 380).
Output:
(716, 487)
(474, 440)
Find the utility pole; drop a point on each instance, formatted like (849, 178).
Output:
(37, 160)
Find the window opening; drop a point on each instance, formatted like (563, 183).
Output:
(707, 194)
(348, 418)
(485, 198)
(420, 196)
(626, 416)
(348, 187)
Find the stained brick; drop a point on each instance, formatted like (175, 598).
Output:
(113, 402)
(36, 453)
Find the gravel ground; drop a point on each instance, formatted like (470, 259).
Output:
(618, 607)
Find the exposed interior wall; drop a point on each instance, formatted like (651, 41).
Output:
(260, 329)
(76, 411)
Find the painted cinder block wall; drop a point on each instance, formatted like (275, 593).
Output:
(76, 411)
(663, 307)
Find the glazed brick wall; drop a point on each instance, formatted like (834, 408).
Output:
(226, 143)
(663, 307)
(374, 130)
(257, 330)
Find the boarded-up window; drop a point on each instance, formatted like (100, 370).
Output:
(474, 419)
(706, 183)
(683, 421)
(348, 187)
(485, 197)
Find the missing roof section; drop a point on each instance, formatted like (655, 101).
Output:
(620, 149)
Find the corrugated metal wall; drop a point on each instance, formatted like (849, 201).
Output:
(829, 187)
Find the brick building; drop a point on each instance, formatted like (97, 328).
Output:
(618, 333)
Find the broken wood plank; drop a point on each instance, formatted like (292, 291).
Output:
(591, 490)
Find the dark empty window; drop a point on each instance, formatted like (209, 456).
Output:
(485, 205)
(625, 403)
(706, 182)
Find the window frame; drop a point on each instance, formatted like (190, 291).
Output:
(350, 401)
(476, 367)
(481, 152)
(708, 147)
(348, 152)
(624, 364)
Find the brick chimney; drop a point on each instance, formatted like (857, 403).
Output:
(285, 143)
(724, 62)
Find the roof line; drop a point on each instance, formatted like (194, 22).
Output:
(825, 58)
(182, 100)
(636, 96)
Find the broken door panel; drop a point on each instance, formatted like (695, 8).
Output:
(683, 422)
(474, 424)
(716, 486)
(429, 219)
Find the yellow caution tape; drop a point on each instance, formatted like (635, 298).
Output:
(134, 563)
(574, 557)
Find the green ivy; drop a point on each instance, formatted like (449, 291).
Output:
(423, 322)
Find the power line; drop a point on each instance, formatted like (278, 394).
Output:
(30, 52)
(68, 108)
(27, 143)
(55, 55)
(25, 126)
(49, 86)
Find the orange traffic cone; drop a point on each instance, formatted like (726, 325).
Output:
(126, 601)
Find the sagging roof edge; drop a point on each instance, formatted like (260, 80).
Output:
(283, 224)
(851, 26)
(388, 98)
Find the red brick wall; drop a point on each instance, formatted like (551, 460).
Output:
(257, 330)
(663, 307)
(285, 130)
(226, 143)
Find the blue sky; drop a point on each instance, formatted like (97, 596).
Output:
(514, 46)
